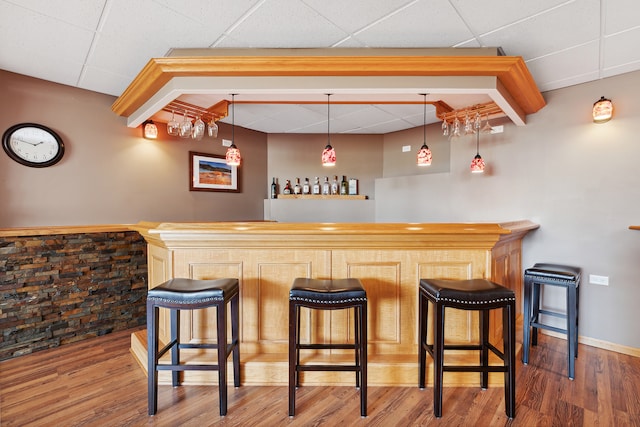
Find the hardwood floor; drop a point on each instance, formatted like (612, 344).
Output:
(97, 383)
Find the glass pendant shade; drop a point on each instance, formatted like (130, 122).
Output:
(233, 156)
(328, 156)
(602, 110)
(477, 164)
(423, 157)
(149, 130)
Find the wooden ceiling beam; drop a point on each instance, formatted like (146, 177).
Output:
(511, 71)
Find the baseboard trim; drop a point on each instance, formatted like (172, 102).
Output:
(605, 345)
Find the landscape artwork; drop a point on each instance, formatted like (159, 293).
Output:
(209, 172)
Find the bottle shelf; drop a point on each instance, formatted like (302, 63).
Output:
(320, 196)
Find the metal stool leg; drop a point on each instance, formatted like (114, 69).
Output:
(423, 312)
(484, 343)
(438, 358)
(221, 311)
(526, 329)
(235, 337)
(362, 310)
(294, 316)
(175, 349)
(572, 331)
(152, 351)
(509, 341)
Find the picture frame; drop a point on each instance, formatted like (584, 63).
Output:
(210, 172)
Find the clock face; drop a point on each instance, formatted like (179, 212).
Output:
(33, 145)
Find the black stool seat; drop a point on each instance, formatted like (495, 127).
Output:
(192, 292)
(564, 276)
(467, 293)
(329, 294)
(337, 291)
(189, 294)
(474, 294)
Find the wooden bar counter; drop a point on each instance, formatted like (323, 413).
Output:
(389, 259)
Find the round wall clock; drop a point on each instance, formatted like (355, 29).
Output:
(33, 145)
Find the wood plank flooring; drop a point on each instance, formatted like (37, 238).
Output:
(98, 383)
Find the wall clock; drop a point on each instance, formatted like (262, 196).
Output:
(33, 145)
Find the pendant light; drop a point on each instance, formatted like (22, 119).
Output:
(602, 110)
(477, 164)
(328, 154)
(233, 154)
(424, 154)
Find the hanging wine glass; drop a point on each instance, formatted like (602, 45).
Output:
(456, 128)
(185, 126)
(445, 128)
(477, 123)
(487, 126)
(173, 127)
(198, 128)
(468, 124)
(212, 128)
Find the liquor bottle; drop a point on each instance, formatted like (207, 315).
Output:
(274, 189)
(344, 186)
(306, 189)
(287, 188)
(326, 188)
(335, 187)
(316, 186)
(296, 188)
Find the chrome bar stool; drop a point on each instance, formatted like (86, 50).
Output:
(328, 295)
(563, 276)
(475, 294)
(189, 294)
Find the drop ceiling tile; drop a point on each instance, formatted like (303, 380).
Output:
(103, 81)
(565, 67)
(80, 13)
(550, 31)
(112, 55)
(353, 15)
(423, 24)
(298, 26)
(620, 15)
(622, 49)
(218, 15)
(489, 15)
(53, 51)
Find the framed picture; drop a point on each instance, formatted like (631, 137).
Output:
(209, 172)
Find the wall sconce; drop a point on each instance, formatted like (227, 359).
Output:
(602, 110)
(149, 130)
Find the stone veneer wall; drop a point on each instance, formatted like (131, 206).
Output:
(57, 289)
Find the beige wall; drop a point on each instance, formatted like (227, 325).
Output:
(579, 180)
(109, 173)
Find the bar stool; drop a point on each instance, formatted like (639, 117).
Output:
(475, 294)
(328, 295)
(554, 275)
(189, 294)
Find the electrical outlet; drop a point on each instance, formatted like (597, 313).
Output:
(226, 143)
(406, 148)
(599, 280)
